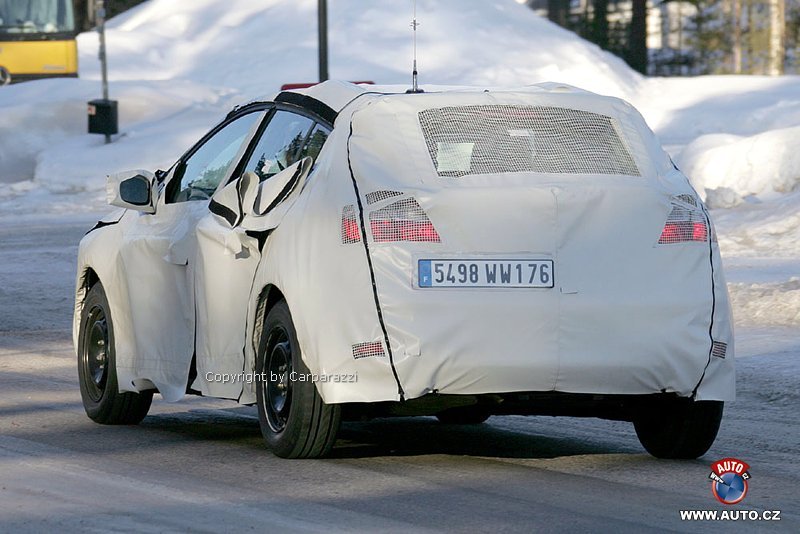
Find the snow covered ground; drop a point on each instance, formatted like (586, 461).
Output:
(177, 68)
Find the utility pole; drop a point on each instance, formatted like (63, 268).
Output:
(322, 26)
(101, 30)
(103, 115)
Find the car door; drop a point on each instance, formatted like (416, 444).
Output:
(158, 252)
(227, 257)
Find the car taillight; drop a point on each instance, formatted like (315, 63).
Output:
(403, 220)
(683, 231)
(686, 223)
(351, 231)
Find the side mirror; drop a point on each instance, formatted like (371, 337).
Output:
(133, 190)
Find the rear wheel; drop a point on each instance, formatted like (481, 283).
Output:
(97, 373)
(466, 415)
(294, 420)
(680, 429)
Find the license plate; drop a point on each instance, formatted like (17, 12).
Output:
(485, 273)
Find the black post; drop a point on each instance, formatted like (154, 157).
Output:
(322, 25)
(100, 16)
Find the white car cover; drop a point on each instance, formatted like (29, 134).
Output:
(630, 311)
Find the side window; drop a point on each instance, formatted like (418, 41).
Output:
(283, 143)
(315, 141)
(201, 173)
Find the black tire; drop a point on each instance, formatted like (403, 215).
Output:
(97, 373)
(680, 429)
(467, 415)
(294, 420)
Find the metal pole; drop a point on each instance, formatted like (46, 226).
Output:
(322, 26)
(100, 15)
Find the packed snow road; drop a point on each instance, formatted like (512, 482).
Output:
(201, 465)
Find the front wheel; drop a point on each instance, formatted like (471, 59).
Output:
(680, 429)
(294, 420)
(97, 373)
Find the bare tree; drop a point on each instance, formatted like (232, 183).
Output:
(777, 36)
(737, 36)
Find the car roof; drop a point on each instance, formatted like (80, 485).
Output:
(328, 98)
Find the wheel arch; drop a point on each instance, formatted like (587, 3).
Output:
(87, 278)
(268, 297)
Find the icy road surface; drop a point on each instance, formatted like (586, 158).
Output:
(200, 464)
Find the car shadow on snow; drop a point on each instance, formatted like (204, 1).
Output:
(416, 436)
(412, 436)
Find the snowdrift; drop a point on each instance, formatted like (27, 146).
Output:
(729, 167)
(256, 45)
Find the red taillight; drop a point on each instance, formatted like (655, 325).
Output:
(699, 232)
(403, 220)
(687, 222)
(679, 232)
(351, 231)
(404, 230)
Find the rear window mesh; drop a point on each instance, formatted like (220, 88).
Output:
(505, 138)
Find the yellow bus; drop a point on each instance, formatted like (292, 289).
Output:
(37, 40)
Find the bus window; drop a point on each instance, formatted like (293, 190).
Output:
(36, 16)
(37, 40)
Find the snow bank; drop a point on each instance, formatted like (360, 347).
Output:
(761, 228)
(255, 46)
(776, 304)
(682, 109)
(729, 167)
(43, 133)
(176, 68)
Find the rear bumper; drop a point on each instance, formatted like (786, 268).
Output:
(636, 334)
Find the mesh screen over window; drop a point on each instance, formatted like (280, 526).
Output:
(377, 196)
(505, 138)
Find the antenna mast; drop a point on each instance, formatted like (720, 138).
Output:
(414, 87)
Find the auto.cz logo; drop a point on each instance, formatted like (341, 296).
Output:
(729, 478)
(729, 483)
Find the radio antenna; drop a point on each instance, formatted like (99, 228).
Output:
(414, 87)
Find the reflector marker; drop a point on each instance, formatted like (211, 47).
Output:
(351, 233)
(368, 349)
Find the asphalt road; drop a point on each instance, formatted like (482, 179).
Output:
(200, 465)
